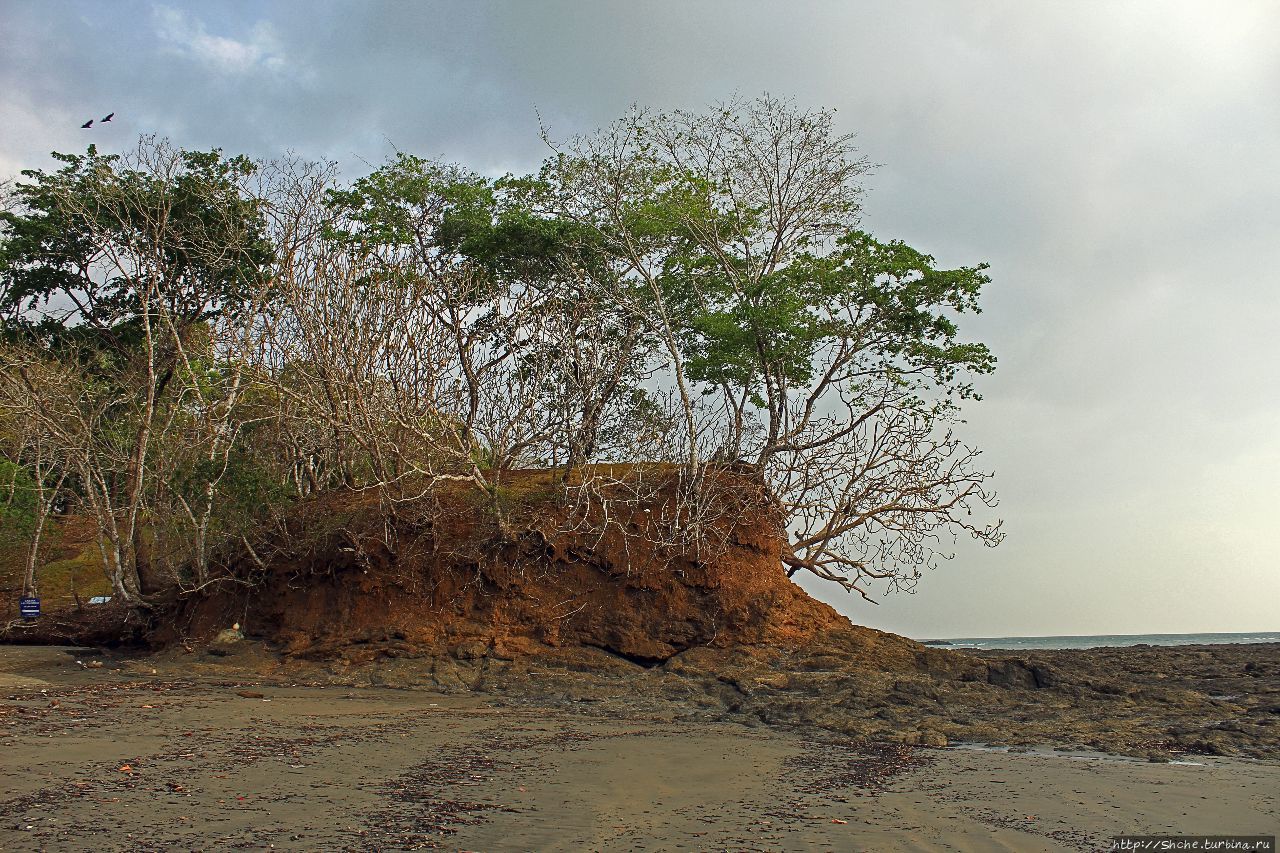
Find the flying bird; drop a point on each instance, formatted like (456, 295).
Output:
(88, 123)
(108, 118)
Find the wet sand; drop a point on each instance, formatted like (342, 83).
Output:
(118, 758)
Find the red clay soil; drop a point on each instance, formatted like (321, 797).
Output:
(463, 575)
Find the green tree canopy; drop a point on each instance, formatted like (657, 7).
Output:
(92, 246)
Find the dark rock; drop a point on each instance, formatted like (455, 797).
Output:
(471, 650)
(1010, 673)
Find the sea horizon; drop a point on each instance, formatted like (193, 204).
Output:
(1091, 641)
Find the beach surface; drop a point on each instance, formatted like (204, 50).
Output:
(129, 756)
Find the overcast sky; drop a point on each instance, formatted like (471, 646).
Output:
(1117, 164)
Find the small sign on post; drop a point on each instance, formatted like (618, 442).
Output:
(29, 608)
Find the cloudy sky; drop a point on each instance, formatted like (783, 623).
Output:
(1117, 163)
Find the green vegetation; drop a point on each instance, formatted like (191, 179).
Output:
(17, 505)
(192, 343)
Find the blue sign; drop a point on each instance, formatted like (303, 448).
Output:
(29, 607)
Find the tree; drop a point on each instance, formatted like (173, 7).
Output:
(522, 301)
(827, 360)
(25, 503)
(110, 269)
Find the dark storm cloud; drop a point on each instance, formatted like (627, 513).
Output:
(1113, 161)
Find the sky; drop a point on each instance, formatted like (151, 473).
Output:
(1115, 162)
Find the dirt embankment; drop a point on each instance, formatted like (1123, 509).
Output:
(538, 573)
(527, 571)
(532, 599)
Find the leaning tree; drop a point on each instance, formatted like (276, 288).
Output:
(795, 342)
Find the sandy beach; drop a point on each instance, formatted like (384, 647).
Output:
(140, 757)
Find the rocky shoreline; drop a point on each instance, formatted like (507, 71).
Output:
(1208, 699)
(1157, 703)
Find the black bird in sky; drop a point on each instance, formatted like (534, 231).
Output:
(88, 123)
(108, 118)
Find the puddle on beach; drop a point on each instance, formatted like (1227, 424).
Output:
(1071, 754)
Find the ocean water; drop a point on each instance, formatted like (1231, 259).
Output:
(1094, 641)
